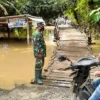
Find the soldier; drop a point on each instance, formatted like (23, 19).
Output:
(39, 53)
(56, 33)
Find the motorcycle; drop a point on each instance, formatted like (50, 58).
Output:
(82, 83)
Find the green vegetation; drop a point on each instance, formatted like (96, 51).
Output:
(10, 7)
(95, 14)
(83, 13)
(20, 32)
(96, 47)
(46, 8)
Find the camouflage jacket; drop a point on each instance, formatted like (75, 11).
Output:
(39, 44)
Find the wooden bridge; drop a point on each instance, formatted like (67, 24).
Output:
(74, 45)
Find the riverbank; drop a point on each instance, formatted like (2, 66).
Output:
(96, 47)
(36, 92)
(17, 60)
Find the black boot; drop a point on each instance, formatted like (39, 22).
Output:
(37, 77)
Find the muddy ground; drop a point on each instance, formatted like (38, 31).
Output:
(36, 92)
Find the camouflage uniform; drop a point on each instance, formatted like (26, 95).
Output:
(39, 48)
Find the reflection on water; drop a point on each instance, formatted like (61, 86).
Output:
(5, 47)
(17, 61)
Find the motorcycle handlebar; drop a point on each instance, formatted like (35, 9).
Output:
(68, 68)
(79, 63)
(74, 67)
(69, 60)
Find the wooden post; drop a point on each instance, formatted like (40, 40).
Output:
(8, 32)
(28, 31)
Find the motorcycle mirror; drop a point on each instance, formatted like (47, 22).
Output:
(69, 60)
(62, 58)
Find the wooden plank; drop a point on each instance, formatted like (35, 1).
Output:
(3, 23)
(76, 36)
(70, 41)
(72, 52)
(16, 16)
(72, 48)
(75, 39)
(59, 76)
(56, 78)
(28, 31)
(58, 85)
(57, 81)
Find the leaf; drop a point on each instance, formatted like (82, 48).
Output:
(96, 17)
(98, 9)
(13, 7)
(92, 12)
(5, 4)
(95, 0)
(16, 32)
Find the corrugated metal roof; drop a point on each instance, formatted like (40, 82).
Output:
(4, 20)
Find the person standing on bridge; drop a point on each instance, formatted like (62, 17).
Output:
(56, 32)
(39, 53)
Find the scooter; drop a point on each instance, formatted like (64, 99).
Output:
(82, 87)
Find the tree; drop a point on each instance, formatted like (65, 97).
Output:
(46, 8)
(83, 13)
(95, 17)
(11, 7)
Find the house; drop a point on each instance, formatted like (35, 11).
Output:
(9, 22)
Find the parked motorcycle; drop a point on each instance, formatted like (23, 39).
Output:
(82, 84)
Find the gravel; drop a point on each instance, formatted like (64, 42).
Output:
(36, 92)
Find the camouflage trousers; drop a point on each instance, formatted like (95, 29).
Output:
(39, 63)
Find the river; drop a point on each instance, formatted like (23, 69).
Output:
(17, 61)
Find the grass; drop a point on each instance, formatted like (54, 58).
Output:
(96, 46)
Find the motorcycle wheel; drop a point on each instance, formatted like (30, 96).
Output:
(80, 96)
(74, 92)
(76, 97)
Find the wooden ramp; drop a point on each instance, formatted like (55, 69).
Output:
(74, 45)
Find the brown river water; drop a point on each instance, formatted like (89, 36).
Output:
(17, 61)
